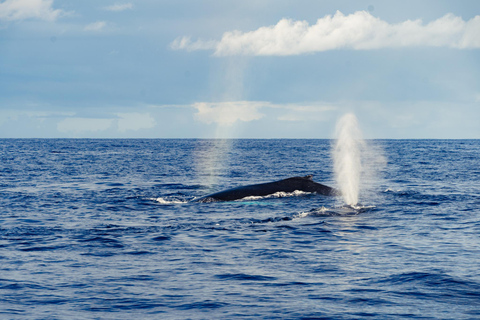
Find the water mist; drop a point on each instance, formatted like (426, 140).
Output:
(347, 156)
(212, 162)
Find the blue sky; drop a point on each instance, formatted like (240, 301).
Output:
(238, 69)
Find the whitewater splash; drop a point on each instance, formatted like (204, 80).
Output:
(347, 156)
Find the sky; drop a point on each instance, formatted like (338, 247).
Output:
(239, 69)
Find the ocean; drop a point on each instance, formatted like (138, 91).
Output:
(109, 229)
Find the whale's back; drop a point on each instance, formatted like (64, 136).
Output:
(289, 185)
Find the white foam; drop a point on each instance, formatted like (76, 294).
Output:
(308, 213)
(161, 200)
(346, 210)
(279, 194)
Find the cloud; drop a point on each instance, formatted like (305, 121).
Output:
(95, 26)
(11, 10)
(306, 113)
(80, 125)
(185, 43)
(119, 7)
(227, 113)
(131, 121)
(357, 31)
(135, 121)
(13, 115)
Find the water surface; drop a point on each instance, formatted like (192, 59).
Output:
(104, 229)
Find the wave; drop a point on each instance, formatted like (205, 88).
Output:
(437, 286)
(391, 190)
(346, 210)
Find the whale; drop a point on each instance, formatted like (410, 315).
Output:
(305, 184)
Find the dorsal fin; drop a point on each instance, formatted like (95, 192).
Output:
(309, 177)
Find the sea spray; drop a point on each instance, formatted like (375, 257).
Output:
(347, 156)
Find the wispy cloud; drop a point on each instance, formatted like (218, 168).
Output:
(119, 7)
(186, 43)
(357, 31)
(131, 121)
(227, 113)
(135, 121)
(79, 125)
(11, 10)
(305, 113)
(95, 26)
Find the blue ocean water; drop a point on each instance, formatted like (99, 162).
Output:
(106, 229)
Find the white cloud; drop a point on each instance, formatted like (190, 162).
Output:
(119, 7)
(227, 113)
(185, 43)
(125, 122)
(135, 121)
(79, 125)
(358, 31)
(95, 26)
(12, 10)
(12, 115)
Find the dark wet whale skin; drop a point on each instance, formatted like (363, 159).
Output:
(292, 184)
